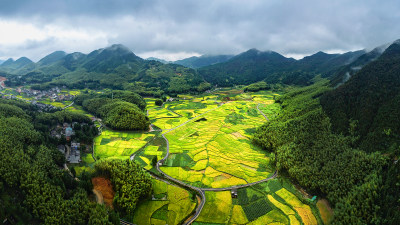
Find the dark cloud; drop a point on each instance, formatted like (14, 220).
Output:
(211, 26)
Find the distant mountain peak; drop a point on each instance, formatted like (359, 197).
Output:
(23, 60)
(53, 57)
(8, 62)
(119, 48)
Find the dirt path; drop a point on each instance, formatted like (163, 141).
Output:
(99, 196)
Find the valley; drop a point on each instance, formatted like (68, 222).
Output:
(209, 150)
(259, 138)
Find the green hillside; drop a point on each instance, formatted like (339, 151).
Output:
(115, 67)
(368, 104)
(253, 66)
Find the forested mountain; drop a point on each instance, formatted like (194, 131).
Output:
(345, 72)
(246, 68)
(114, 67)
(158, 60)
(1, 61)
(204, 60)
(254, 65)
(10, 65)
(52, 58)
(368, 103)
(344, 143)
(325, 63)
(362, 186)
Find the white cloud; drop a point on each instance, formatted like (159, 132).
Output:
(174, 28)
(168, 56)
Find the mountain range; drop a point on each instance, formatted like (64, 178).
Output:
(368, 103)
(113, 67)
(117, 67)
(196, 62)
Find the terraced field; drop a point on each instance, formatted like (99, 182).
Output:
(177, 112)
(212, 150)
(169, 205)
(215, 150)
(115, 144)
(259, 205)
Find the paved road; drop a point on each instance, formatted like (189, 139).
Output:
(262, 112)
(201, 191)
(198, 190)
(68, 105)
(123, 222)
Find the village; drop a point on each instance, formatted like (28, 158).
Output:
(73, 145)
(37, 97)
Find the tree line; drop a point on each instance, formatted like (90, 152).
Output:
(360, 185)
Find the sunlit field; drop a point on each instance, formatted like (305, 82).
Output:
(169, 205)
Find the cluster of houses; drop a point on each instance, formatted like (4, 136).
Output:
(71, 152)
(65, 130)
(41, 106)
(53, 94)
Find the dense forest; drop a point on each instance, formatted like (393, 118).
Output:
(362, 185)
(343, 143)
(369, 102)
(34, 189)
(120, 110)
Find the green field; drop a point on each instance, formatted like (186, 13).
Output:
(174, 113)
(169, 205)
(211, 150)
(121, 145)
(156, 148)
(215, 150)
(259, 205)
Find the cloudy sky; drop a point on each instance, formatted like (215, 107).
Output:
(174, 29)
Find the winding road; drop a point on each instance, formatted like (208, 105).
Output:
(201, 191)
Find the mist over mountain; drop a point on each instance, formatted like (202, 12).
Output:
(371, 97)
(118, 67)
(255, 65)
(204, 60)
(158, 60)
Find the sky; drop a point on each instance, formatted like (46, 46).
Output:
(176, 29)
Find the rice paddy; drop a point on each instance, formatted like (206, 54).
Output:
(213, 149)
(169, 205)
(259, 205)
(219, 140)
(116, 144)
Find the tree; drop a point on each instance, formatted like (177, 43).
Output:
(159, 102)
(130, 182)
(154, 161)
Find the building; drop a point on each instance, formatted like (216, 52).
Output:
(234, 193)
(68, 133)
(75, 146)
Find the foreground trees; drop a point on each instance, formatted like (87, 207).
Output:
(327, 163)
(126, 112)
(130, 183)
(33, 188)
